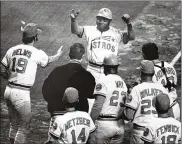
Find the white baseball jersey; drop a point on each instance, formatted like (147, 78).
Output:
(141, 100)
(72, 127)
(114, 89)
(159, 76)
(100, 44)
(22, 61)
(163, 130)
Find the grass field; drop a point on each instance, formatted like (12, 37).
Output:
(159, 22)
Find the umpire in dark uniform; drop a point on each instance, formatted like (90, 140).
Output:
(71, 74)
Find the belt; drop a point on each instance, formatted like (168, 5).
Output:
(107, 118)
(96, 65)
(138, 127)
(19, 85)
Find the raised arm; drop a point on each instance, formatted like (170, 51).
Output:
(75, 28)
(129, 35)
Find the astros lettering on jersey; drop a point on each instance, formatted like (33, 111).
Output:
(101, 44)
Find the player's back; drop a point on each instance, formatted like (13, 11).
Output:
(116, 91)
(167, 130)
(144, 93)
(76, 127)
(159, 76)
(22, 63)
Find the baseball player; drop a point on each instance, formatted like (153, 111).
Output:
(165, 73)
(19, 66)
(110, 93)
(74, 126)
(163, 129)
(139, 104)
(102, 39)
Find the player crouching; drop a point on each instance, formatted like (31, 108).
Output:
(74, 126)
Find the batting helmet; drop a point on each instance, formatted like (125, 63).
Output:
(105, 12)
(111, 60)
(31, 30)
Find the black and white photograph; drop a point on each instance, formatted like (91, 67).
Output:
(90, 72)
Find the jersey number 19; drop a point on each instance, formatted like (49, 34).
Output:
(19, 65)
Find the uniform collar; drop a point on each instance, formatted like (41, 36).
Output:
(75, 61)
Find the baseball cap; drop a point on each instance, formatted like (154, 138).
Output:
(31, 30)
(147, 67)
(70, 95)
(162, 102)
(105, 12)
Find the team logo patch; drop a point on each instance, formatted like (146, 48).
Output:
(98, 87)
(146, 132)
(54, 126)
(128, 99)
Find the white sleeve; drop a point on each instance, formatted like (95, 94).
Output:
(85, 32)
(6, 60)
(132, 100)
(56, 128)
(43, 58)
(100, 89)
(148, 135)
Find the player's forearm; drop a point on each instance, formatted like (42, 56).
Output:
(97, 107)
(130, 32)
(75, 28)
(54, 58)
(4, 72)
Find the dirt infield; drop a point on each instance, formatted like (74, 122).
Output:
(159, 22)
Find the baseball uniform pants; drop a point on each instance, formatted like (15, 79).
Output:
(109, 131)
(19, 110)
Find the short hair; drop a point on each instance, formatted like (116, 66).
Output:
(150, 51)
(76, 51)
(27, 40)
(146, 74)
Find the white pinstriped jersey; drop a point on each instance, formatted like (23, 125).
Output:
(72, 127)
(114, 89)
(22, 61)
(101, 44)
(141, 100)
(163, 130)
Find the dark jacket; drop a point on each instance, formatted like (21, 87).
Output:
(57, 82)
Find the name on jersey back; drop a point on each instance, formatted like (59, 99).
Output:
(23, 52)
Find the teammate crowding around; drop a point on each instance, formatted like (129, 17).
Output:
(140, 108)
(19, 67)
(71, 74)
(74, 127)
(163, 129)
(110, 93)
(102, 39)
(165, 73)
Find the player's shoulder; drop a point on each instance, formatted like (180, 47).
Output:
(115, 30)
(89, 27)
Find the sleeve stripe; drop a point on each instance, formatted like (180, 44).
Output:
(93, 130)
(130, 107)
(102, 94)
(54, 134)
(145, 139)
(4, 64)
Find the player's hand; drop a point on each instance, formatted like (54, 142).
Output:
(74, 14)
(60, 51)
(126, 18)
